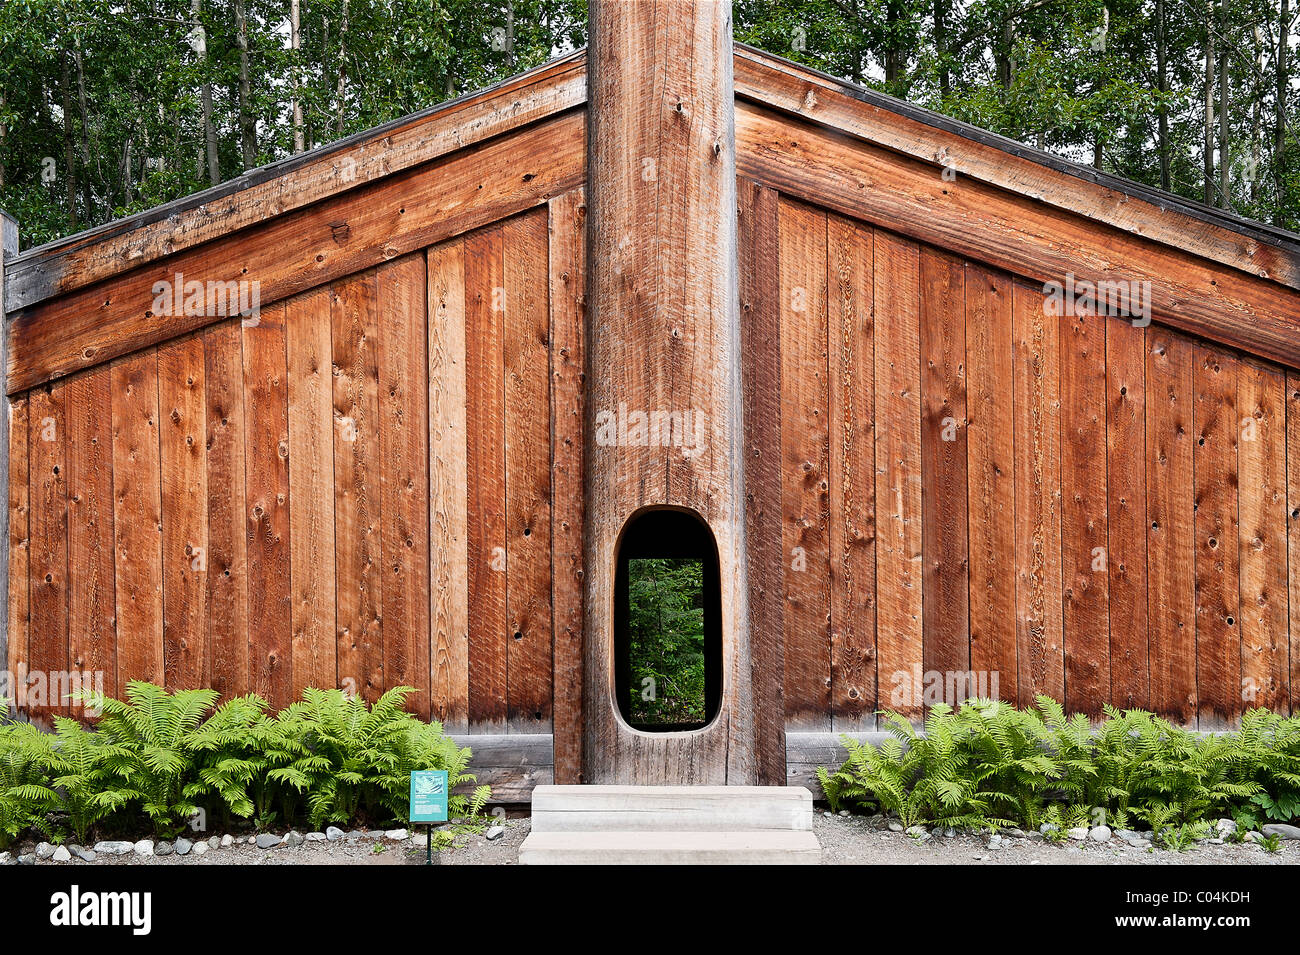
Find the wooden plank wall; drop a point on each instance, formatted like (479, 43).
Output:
(352, 489)
(981, 496)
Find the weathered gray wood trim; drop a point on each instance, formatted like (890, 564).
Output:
(8, 250)
(511, 764)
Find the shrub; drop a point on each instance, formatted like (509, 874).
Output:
(990, 764)
(25, 795)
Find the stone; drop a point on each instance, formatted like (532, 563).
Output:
(1034, 836)
(183, 847)
(494, 833)
(1078, 834)
(1015, 833)
(61, 854)
(1253, 836)
(267, 840)
(293, 839)
(6, 859)
(144, 848)
(213, 843)
(918, 833)
(994, 841)
(163, 849)
(950, 833)
(895, 826)
(397, 835)
(1281, 830)
(252, 840)
(85, 855)
(828, 814)
(44, 851)
(1099, 833)
(844, 813)
(28, 859)
(200, 848)
(1225, 826)
(315, 837)
(227, 841)
(334, 833)
(355, 836)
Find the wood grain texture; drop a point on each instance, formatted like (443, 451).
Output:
(1262, 483)
(1015, 232)
(227, 623)
(19, 609)
(137, 519)
(307, 329)
(357, 499)
(92, 600)
(448, 483)
(48, 643)
(852, 467)
(312, 246)
(760, 330)
(1293, 528)
(1038, 504)
(664, 336)
(266, 436)
(182, 436)
(1218, 589)
(525, 362)
(1171, 581)
(1084, 556)
(944, 507)
(1126, 511)
(404, 476)
(485, 401)
(991, 490)
(567, 278)
(898, 474)
(805, 467)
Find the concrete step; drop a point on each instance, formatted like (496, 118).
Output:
(671, 809)
(766, 847)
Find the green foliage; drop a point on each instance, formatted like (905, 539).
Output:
(666, 624)
(172, 756)
(991, 764)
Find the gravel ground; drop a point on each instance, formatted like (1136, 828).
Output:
(845, 840)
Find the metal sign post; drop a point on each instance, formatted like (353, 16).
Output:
(428, 803)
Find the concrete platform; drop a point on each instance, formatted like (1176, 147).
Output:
(765, 847)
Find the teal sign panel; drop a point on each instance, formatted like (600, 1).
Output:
(429, 795)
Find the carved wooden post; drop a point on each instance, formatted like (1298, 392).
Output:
(664, 340)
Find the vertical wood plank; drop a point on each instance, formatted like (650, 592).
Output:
(266, 435)
(990, 449)
(568, 217)
(485, 401)
(19, 551)
(182, 439)
(404, 477)
(227, 635)
(1293, 528)
(448, 480)
(357, 500)
(49, 550)
(1038, 505)
(1261, 466)
(1084, 558)
(1218, 641)
(1171, 584)
(805, 442)
(898, 474)
(852, 532)
(311, 488)
(1126, 490)
(137, 519)
(525, 361)
(944, 508)
(92, 629)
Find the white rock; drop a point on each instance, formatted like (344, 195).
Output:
(144, 848)
(397, 835)
(315, 837)
(333, 833)
(227, 841)
(1253, 836)
(44, 851)
(184, 847)
(61, 854)
(1100, 834)
(895, 826)
(1225, 826)
(494, 833)
(1078, 834)
(200, 848)
(114, 848)
(6, 858)
(213, 843)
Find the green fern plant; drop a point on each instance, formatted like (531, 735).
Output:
(150, 750)
(73, 759)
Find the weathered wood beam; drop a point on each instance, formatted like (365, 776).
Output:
(1023, 236)
(663, 335)
(300, 250)
(296, 182)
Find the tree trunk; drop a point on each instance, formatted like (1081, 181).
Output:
(89, 157)
(1208, 131)
(1225, 164)
(343, 69)
(1162, 88)
(209, 130)
(1279, 106)
(941, 46)
(295, 45)
(247, 124)
(69, 153)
